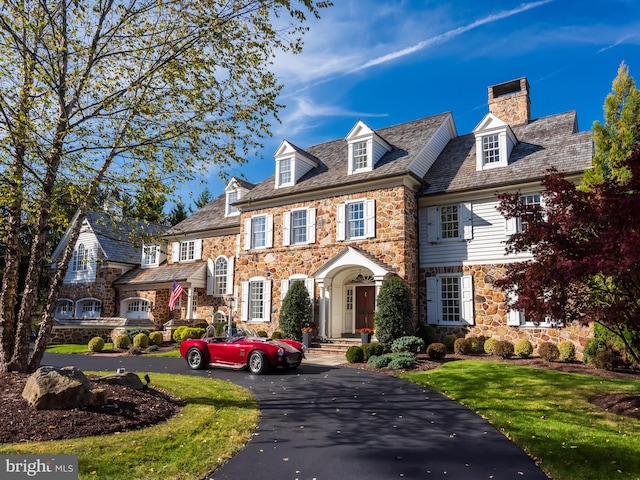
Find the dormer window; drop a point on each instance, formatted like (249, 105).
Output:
(234, 191)
(232, 197)
(150, 256)
(292, 163)
(490, 149)
(284, 172)
(494, 142)
(365, 148)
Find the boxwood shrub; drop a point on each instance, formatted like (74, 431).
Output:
(449, 342)
(489, 344)
(355, 354)
(503, 349)
(549, 351)
(141, 340)
(371, 350)
(122, 341)
(567, 351)
(462, 346)
(156, 338)
(96, 344)
(437, 351)
(523, 348)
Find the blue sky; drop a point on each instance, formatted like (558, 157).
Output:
(389, 62)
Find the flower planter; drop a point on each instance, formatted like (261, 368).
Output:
(306, 338)
(365, 338)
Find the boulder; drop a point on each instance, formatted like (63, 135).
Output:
(128, 379)
(51, 388)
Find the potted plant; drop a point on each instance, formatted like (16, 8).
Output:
(365, 335)
(307, 335)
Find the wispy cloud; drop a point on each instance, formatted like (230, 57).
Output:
(621, 41)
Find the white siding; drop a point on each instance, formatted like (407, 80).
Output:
(91, 245)
(423, 161)
(378, 151)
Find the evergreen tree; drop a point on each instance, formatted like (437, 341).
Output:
(394, 312)
(203, 199)
(177, 214)
(296, 311)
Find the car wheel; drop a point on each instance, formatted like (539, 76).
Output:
(257, 362)
(195, 359)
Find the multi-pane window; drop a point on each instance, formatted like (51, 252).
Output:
(450, 298)
(491, 149)
(355, 220)
(91, 308)
(258, 232)
(150, 255)
(80, 259)
(64, 308)
(298, 226)
(138, 306)
(349, 305)
(532, 205)
(449, 222)
(194, 302)
(232, 197)
(360, 159)
(285, 171)
(256, 300)
(187, 250)
(220, 276)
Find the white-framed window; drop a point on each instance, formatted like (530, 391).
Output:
(187, 251)
(137, 308)
(232, 197)
(299, 227)
(150, 256)
(219, 317)
(309, 284)
(450, 299)
(80, 260)
(533, 203)
(64, 308)
(491, 149)
(220, 276)
(349, 297)
(89, 308)
(256, 300)
(450, 222)
(258, 232)
(356, 220)
(519, 318)
(360, 156)
(284, 172)
(194, 302)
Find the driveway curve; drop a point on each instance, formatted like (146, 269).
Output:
(330, 423)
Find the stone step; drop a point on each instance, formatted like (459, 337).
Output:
(335, 346)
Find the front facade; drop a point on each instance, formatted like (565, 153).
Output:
(414, 200)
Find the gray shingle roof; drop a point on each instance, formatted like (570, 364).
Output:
(121, 240)
(209, 217)
(165, 273)
(543, 143)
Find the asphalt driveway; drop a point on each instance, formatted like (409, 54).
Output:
(331, 423)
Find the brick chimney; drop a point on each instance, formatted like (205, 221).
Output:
(510, 101)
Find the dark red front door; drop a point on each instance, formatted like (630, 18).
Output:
(365, 306)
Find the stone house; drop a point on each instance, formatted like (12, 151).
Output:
(415, 200)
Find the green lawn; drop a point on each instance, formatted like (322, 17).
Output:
(548, 414)
(75, 348)
(216, 422)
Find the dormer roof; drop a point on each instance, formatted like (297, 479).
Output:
(292, 163)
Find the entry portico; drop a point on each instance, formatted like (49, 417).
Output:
(348, 286)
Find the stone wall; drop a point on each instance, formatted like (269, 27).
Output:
(101, 289)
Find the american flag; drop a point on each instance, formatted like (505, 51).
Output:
(176, 291)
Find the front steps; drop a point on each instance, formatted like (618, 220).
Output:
(333, 346)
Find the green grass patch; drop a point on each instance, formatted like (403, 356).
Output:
(170, 354)
(73, 348)
(547, 413)
(215, 423)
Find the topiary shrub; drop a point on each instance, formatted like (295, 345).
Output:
(296, 311)
(402, 361)
(276, 335)
(489, 343)
(355, 354)
(604, 360)
(379, 361)
(523, 348)
(178, 333)
(371, 350)
(122, 341)
(503, 349)
(549, 351)
(567, 351)
(449, 342)
(462, 346)
(141, 340)
(262, 334)
(394, 310)
(192, 332)
(591, 348)
(437, 351)
(152, 348)
(407, 344)
(426, 333)
(96, 344)
(156, 338)
(474, 343)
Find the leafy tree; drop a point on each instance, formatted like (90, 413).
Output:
(585, 246)
(113, 93)
(394, 312)
(618, 136)
(296, 311)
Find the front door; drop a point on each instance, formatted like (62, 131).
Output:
(365, 306)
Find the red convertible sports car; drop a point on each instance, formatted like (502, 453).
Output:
(255, 353)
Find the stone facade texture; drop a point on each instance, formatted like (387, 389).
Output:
(512, 108)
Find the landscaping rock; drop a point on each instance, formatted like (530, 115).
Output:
(51, 388)
(128, 379)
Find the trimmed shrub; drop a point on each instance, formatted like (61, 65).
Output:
(355, 354)
(462, 346)
(132, 332)
(549, 351)
(437, 351)
(296, 311)
(96, 344)
(156, 338)
(141, 340)
(372, 350)
(122, 341)
(192, 332)
(262, 334)
(407, 344)
(591, 348)
(426, 333)
(178, 333)
(605, 360)
(567, 351)
(394, 310)
(402, 360)
(523, 348)
(449, 342)
(379, 361)
(503, 349)
(152, 348)
(276, 335)
(474, 343)
(489, 343)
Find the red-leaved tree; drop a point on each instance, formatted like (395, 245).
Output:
(586, 255)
